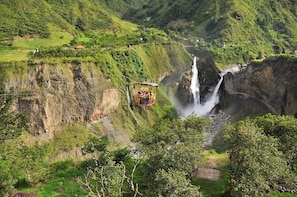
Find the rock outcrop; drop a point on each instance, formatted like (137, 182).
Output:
(55, 94)
(273, 82)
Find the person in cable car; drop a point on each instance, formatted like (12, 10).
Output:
(144, 93)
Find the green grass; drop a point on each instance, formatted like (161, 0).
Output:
(55, 39)
(72, 136)
(10, 54)
(61, 183)
(21, 46)
(215, 188)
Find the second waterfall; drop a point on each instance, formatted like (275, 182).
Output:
(201, 108)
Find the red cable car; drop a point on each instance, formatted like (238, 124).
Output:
(144, 93)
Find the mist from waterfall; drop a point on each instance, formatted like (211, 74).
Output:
(198, 107)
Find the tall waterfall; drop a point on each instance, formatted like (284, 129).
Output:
(198, 107)
(195, 85)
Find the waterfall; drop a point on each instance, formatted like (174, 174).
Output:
(211, 101)
(198, 107)
(128, 95)
(195, 83)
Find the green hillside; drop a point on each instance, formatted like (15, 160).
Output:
(140, 40)
(27, 25)
(28, 18)
(250, 29)
(233, 31)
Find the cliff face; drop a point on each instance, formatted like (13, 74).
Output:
(273, 81)
(55, 94)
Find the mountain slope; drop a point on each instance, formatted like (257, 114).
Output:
(21, 18)
(32, 18)
(250, 29)
(234, 31)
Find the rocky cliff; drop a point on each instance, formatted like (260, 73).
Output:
(272, 81)
(55, 94)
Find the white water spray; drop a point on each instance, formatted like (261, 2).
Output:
(201, 108)
(211, 102)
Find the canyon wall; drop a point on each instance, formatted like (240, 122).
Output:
(56, 94)
(51, 95)
(272, 81)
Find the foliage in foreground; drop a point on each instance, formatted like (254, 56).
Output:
(169, 150)
(257, 166)
(284, 128)
(11, 124)
(172, 149)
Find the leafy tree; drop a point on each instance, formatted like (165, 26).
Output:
(108, 177)
(285, 129)
(21, 165)
(95, 144)
(257, 166)
(174, 145)
(174, 184)
(11, 124)
(107, 180)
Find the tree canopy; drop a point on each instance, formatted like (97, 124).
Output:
(256, 163)
(11, 124)
(285, 129)
(172, 149)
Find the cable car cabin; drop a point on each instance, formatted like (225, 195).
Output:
(144, 93)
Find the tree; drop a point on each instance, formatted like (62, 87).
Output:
(173, 183)
(285, 129)
(104, 180)
(11, 124)
(256, 164)
(170, 144)
(109, 176)
(110, 179)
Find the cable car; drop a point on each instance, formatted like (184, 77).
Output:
(144, 93)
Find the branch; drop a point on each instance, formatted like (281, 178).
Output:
(134, 188)
(86, 186)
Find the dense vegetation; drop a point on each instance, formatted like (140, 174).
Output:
(235, 31)
(260, 159)
(253, 152)
(232, 31)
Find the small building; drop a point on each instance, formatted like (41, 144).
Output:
(80, 47)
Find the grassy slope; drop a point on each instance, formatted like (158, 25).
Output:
(251, 29)
(42, 24)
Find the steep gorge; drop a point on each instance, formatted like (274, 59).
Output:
(272, 82)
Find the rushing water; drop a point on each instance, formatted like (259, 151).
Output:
(195, 85)
(198, 107)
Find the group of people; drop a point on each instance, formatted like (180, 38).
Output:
(144, 97)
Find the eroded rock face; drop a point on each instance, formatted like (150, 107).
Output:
(55, 94)
(273, 81)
